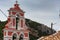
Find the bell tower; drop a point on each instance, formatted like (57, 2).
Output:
(16, 29)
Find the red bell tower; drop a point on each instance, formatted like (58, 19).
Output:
(16, 28)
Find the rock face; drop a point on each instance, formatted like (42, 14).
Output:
(55, 36)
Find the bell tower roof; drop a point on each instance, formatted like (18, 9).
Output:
(16, 7)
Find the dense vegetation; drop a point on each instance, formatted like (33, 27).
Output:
(2, 24)
(32, 27)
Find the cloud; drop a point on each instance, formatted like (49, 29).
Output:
(42, 11)
(44, 5)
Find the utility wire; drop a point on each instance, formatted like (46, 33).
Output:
(3, 13)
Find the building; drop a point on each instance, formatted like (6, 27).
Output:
(16, 29)
(55, 36)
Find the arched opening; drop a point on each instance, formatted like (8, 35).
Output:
(21, 37)
(17, 20)
(14, 37)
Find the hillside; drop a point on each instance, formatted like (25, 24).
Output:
(36, 29)
(2, 24)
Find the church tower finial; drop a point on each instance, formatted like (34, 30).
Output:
(16, 1)
(16, 4)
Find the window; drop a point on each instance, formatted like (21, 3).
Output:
(21, 37)
(22, 23)
(14, 37)
(14, 22)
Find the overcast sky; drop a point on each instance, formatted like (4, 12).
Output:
(42, 11)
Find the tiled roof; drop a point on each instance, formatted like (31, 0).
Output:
(55, 36)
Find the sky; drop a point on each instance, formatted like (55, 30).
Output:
(42, 11)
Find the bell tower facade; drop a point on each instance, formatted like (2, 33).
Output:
(16, 29)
